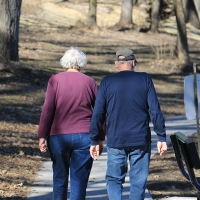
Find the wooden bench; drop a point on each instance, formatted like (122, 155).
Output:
(187, 158)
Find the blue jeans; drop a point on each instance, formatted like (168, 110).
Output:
(70, 152)
(117, 166)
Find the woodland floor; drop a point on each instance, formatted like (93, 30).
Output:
(46, 32)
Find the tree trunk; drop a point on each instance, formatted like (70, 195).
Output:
(9, 29)
(191, 14)
(186, 9)
(135, 2)
(155, 16)
(92, 13)
(182, 44)
(197, 6)
(140, 2)
(126, 13)
(4, 33)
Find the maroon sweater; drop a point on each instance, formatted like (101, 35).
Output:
(68, 104)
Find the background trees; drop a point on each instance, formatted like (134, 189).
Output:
(92, 13)
(9, 29)
(191, 12)
(182, 44)
(197, 6)
(155, 16)
(10, 15)
(126, 14)
(185, 11)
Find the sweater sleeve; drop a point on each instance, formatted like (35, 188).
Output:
(156, 113)
(47, 113)
(97, 126)
(95, 90)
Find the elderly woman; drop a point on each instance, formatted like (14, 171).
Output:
(64, 125)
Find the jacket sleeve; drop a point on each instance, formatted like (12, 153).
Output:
(98, 124)
(156, 114)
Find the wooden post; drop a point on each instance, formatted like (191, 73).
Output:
(196, 104)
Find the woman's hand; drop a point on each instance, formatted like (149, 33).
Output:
(43, 145)
(96, 150)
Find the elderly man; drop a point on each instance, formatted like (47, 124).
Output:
(128, 101)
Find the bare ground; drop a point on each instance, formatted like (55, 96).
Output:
(46, 31)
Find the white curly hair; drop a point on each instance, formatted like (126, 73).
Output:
(73, 58)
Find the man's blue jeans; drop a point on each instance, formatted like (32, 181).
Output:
(117, 166)
(70, 151)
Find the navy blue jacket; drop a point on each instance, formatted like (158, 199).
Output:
(128, 101)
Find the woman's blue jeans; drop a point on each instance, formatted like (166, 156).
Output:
(70, 152)
(117, 166)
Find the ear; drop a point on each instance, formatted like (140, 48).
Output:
(133, 65)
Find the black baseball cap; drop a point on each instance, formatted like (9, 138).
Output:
(127, 53)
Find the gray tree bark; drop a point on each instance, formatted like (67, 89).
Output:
(4, 21)
(197, 6)
(139, 2)
(126, 13)
(182, 44)
(155, 16)
(191, 14)
(9, 29)
(92, 13)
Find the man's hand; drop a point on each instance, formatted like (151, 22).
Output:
(162, 147)
(43, 145)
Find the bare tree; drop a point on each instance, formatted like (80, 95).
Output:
(92, 13)
(197, 6)
(155, 16)
(191, 14)
(9, 29)
(126, 13)
(191, 9)
(182, 44)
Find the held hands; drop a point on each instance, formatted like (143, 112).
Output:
(162, 147)
(43, 145)
(95, 151)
